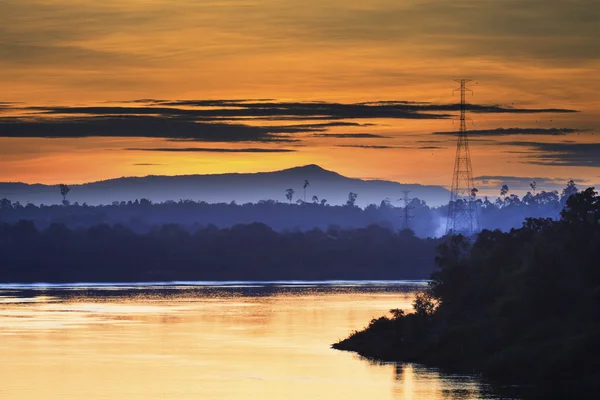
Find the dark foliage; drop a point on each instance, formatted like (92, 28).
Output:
(141, 216)
(521, 306)
(243, 252)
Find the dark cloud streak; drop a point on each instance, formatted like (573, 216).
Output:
(210, 150)
(137, 126)
(374, 147)
(219, 120)
(515, 131)
(350, 135)
(563, 154)
(242, 108)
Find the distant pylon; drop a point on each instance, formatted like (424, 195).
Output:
(406, 216)
(462, 209)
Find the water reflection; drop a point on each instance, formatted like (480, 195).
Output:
(416, 382)
(205, 342)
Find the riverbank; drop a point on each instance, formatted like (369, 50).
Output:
(252, 252)
(555, 368)
(521, 307)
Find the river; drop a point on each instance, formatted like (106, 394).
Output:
(206, 341)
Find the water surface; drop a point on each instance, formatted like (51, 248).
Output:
(235, 341)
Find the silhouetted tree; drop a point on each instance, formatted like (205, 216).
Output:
(351, 199)
(533, 185)
(425, 303)
(306, 184)
(289, 194)
(568, 191)
(5, 204)
(486, 202)
(582, 207)
(323, 202)
(64, 190)
(503, 190)
(315, 199)
(519, 306)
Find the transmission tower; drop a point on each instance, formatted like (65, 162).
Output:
(406, 216)
(462, 209)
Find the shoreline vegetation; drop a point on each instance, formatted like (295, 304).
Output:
(253, 252)
(520, 307)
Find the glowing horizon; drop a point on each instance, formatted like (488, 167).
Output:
(521, 54)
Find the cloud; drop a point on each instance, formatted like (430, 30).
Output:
(210, 150)
(137, 126)
(377, 147)
(384, 147)
(557, 30)
(563, 154)
(239, 109)
(145, 164)
(515, 131)
(66, 49)
(219, 120)
(313, 127)
(213, 109)
(350, 135)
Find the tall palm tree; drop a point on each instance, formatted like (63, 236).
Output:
(64, 190)
(306, 184)
(289, 194)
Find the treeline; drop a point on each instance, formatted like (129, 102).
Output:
(141, 216)
(509, 210)
(105, 253)
(521, 306)
(506, 212)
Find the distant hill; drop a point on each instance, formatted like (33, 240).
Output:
(241, 188)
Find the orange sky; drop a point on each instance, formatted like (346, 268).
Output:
(520, 53)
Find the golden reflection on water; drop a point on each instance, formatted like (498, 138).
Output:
(204, 343)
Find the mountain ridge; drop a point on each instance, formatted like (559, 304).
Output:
(227, 187)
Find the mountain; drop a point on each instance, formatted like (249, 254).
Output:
(241, 188)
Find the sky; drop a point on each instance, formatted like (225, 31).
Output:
(96, 90)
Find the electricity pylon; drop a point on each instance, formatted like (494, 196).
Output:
(462, 209)
(406, 215)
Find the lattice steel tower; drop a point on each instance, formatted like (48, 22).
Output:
(462, 209)
(406, 215)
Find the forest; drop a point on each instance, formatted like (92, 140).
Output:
(521, 306)
(505, 212)
(104, 253)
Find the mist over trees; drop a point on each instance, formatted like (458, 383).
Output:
(505, 212)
